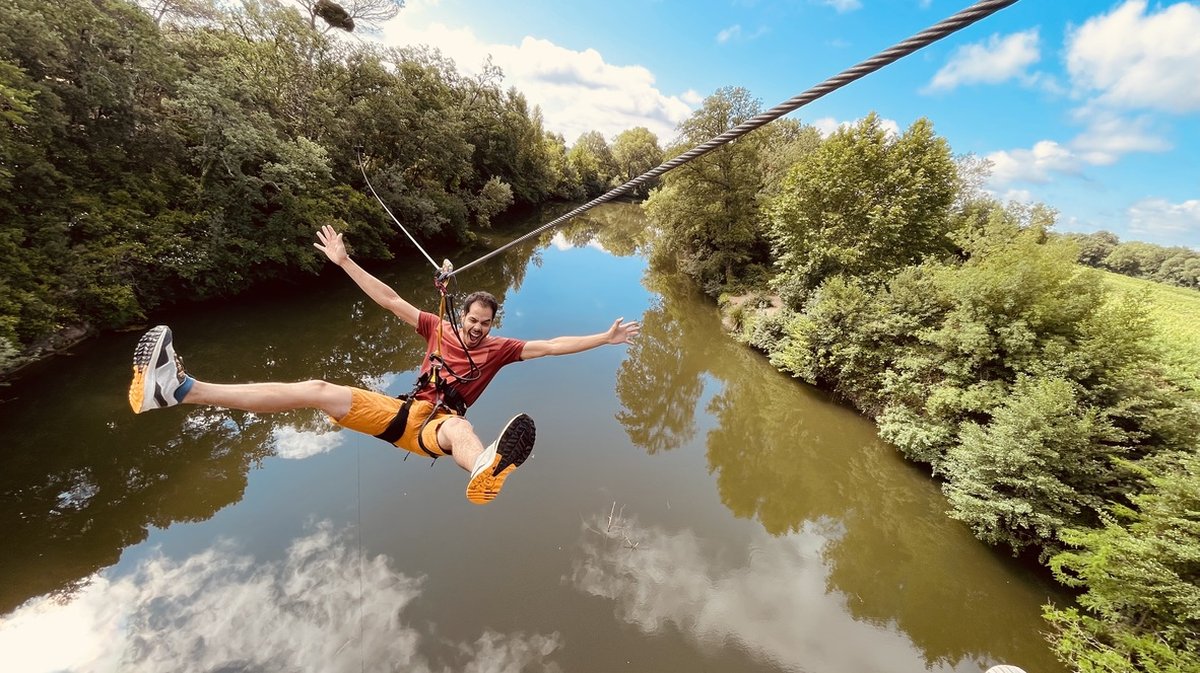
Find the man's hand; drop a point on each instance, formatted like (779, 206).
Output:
(621, 333)
(331, 244)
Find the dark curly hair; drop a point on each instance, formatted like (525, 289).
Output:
(485, 298)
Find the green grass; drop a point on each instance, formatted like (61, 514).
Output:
(1176, 311)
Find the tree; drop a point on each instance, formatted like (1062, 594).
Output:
(707, 209)
(592, 160)
(863, 203)
(636, 151)
(1094, 247)
(1141, 572)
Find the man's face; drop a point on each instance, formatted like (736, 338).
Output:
(476, 323)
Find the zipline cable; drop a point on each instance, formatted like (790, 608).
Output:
(363, 168)
(952, 24)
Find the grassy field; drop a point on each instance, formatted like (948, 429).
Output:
(1176, 310)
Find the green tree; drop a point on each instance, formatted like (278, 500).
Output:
(863, 203)
(592, 160)
(707, 209)
(1094, 247)
(636, 151)
(1141, 575)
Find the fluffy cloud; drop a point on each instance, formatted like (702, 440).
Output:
(1131, 58)
(828, 125)
(578, 91)
(1160, 221)
(1032, 165)
(325, 607)
(1106, 138)
(997, 60)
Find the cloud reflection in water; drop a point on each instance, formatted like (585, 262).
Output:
(222, 610)
(775, 604)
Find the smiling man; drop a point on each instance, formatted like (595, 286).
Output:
(431, 421)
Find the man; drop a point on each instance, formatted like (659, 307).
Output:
(428, 422)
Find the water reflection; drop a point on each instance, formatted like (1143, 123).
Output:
(660, 382)
(784, 455)
(772, 602)
(324, 607)
(74, 495)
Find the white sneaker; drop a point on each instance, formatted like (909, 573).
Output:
(500, 459)
(158, 376)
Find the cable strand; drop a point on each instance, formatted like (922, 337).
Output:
(387, 210)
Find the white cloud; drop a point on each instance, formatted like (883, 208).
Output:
(1018, 195)
(997, 60)
(578, 91)
(828, 125)
(1131, 58)
(1159, 221)
(1032, 165)
(296, 444)
(224, 610)
(842, 6)
(1106, 138)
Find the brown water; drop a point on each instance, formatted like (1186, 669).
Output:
(687, 507)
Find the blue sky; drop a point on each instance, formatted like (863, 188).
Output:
(1089, 107)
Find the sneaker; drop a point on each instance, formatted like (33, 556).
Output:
(158, 376)
(500, 459)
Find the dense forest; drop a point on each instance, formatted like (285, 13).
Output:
(871, 264)
(187, 150)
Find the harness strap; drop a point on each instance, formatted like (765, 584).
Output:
(395, 430)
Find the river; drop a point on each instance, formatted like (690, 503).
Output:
(686, 508)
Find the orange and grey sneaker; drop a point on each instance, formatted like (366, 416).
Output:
(500, 459)
(158, 376)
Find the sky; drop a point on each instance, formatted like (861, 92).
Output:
(1089, 106)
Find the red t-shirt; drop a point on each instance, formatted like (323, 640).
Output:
(489, 356)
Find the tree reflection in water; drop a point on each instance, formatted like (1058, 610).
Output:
(786, 456)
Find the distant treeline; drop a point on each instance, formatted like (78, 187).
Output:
(146, 161)
(870, 263)
(1175, 265)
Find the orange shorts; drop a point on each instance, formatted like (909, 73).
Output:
(371, 413)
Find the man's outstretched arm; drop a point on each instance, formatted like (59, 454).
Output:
(619, 333)
(331, 244)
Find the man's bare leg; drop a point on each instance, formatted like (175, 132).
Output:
(331, 398)
(159, 380)
(457, 436)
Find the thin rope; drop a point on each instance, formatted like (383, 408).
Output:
(362, 168)
(962, 19)
(362, 663)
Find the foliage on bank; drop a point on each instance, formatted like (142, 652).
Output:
(147, 160)
(1038, 396)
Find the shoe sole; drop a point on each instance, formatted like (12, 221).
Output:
(514, 446)
(149, 355)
